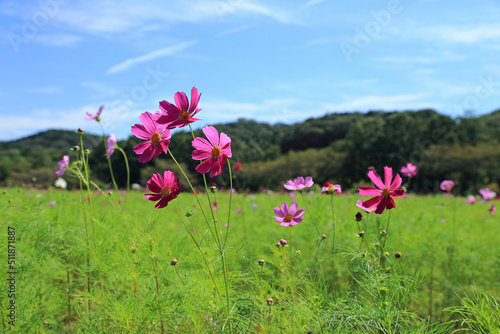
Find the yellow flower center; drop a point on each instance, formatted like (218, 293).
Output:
(386, 193)
(184, 114)
(156, 138)
(165, 191)
(288, 218)
(216, 151)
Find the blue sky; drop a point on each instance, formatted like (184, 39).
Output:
(272, 61)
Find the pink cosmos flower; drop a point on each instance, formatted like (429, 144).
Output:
(409, 170)
(215, 151)
(165, 188)
(97, 116)
(493, 208)
(157, 138)
(63, 164)
(386, 191)
(111, 145)
(180, 114)
(330, 188)
(471, 199)
(360, 203)
(447, 185)
(299, 183)
(487, 194)
(288, 216)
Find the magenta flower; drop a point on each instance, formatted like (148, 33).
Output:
(487, 194)
(97, 116)
(386, 191)
(360, 205)
(299, 183)
(157, 138)
(447, 185)
(330, 188)
(493, 208)
(165, 188)
(288, 216)
(215, 151)
(111, 146)
(63, 164)
(180, 114)
(409, 170)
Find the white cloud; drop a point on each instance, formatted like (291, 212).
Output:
(100, 88)
(235, 30)
(375, 102)
(169, 50)
(47, 90)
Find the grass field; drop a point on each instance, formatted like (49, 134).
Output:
(446, 246)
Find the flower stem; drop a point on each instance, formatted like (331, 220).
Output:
(291, 263)
(107, 158)
(126, 165)
(310, 213)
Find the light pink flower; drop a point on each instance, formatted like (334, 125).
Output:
(330, 188)
(157, 138)
(215, 151)
(288, 216)
(487, 194)
(180, 114)
(165, 188)
(97, 116)
(111, 146)
(360, 203)
(409, 170)
(471, 199)
(447, 185)
(63, 164)
(386, 191)
(299, 183)
(52, 203)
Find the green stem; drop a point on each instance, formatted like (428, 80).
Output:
(126, 165)
(310, 212)
(291, 264)
(107, 158)
(333, 220)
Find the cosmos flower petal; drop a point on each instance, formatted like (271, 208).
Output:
(279, 212)
(140, 132)
(396, 183)
(200, 155)
(369, 191)
(293, 208)
(299, 213)
(398, 193)
(387, 176)
(372, 201)
(181, 101)
(204, 167)
(376, 179)
(382, 205)
(212, 134)
(141, 147)
(195, 98)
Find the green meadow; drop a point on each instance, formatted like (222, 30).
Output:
(104, 265)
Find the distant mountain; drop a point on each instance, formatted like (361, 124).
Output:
(51, 139)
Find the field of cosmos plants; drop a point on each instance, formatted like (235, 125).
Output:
(307, 259)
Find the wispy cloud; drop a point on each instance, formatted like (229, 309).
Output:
(47, 90)
(375, 102)
(168, 51)
(66, 40)
(100, 88)
(235, 30)
(312, 3)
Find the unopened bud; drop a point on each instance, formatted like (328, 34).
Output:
(358, 216)
(283, 242)
(80, 131)
(173, 262)
(383, 232)
(323, 236)
(361, 233)
(76, 148)
(213, 189)
(261, 262)
(397, 255)
(270, 301)
(87, 151)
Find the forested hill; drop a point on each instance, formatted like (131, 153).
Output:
(337, 147)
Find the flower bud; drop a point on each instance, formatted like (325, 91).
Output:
(76, 148)
(397, 255)
(361, 233)
(383, 232)
(270, 301)
(213, 189)
(358, 216)
(283, 242)
(386, 253)
(173, 262)
(87, 151)
(80, 131)
(323, 236)
(278, 244)
(261, 262)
